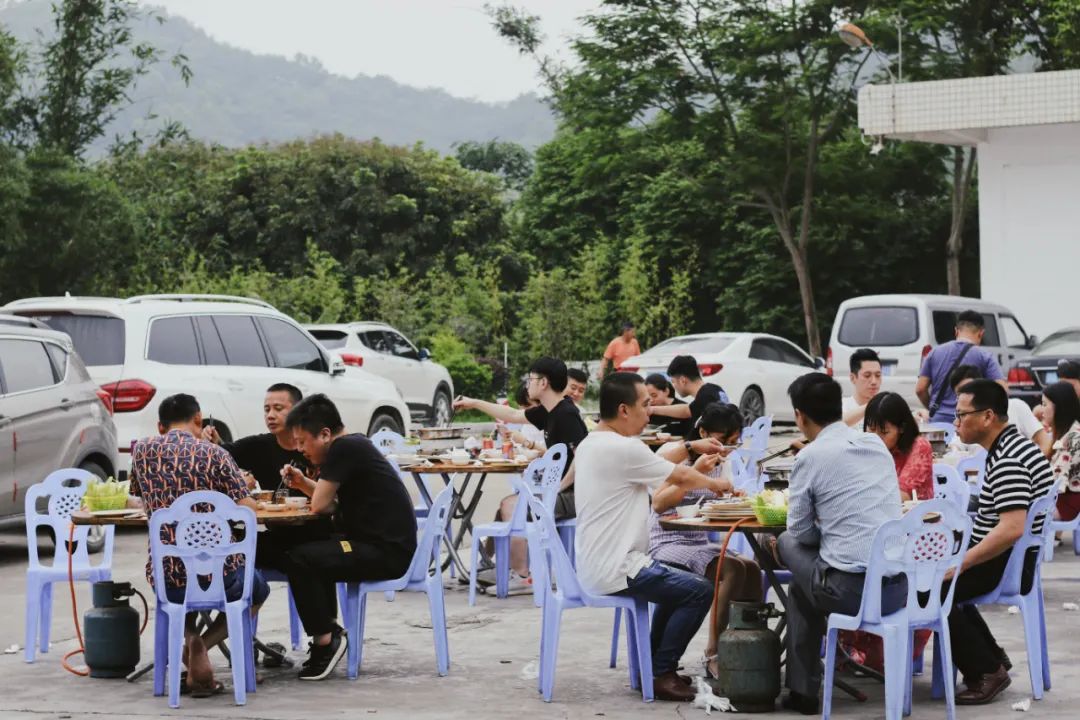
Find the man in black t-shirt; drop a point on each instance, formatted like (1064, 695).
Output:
(374, 515)
(685, 376)
(561, 422)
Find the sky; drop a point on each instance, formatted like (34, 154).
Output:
(447, 44)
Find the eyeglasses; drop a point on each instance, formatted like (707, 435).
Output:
(533, 378)
(962, 415)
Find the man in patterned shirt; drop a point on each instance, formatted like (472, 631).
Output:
(1017, 474)
(162, 469)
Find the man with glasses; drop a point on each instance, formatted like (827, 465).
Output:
(1017, 474)
(559, 419)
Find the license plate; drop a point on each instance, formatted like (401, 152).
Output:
(1050, 377)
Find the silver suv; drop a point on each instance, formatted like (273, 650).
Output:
(52, 415)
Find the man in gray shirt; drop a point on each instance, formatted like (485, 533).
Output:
(843, 488)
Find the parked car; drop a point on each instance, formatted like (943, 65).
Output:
(383, 350)
(754, 369)
(52, 415)
(1030, 375)
(903, 329)
(223, 350)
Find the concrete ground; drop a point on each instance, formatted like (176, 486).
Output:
(493, 660)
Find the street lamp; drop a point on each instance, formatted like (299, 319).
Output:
(853, 36)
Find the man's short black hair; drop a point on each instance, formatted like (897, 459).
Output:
(987, 395)
(618, 388)
(972, 318)
(578, 375)
(860, 356)
(684, 366)
(294, 392)
(963, 373)
(1068, 369)
(314, 413)
(818, 397)
(177, 408)
(553, 369)
(627, 326)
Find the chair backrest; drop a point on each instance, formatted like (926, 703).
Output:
(976, 463)
(949, 428)
(950, 485)
(756, 435)
(427, 547)
(388, 442)
(923, 549)
(541, 478)
(1041, 512)
(545, 543)
(744, 470)
(64, 489)
(202, 524)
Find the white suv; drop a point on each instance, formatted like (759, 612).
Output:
(223, 350)
(381, 349)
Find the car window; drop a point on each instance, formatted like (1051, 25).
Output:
(243, 346)
(291, 347)
(213, 347)
(400, 346)
(172, 341)
(25, 365)
(1060, 343)
(99, 339)
(791, 354)
(376, 340)
(879, 327)
(59, 358)
(991, 336)
(945, 327)
(764, 350)
(1015, 337)
(331, 339)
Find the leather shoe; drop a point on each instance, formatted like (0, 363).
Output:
(802, 704)
(670, 686)
(987, 688)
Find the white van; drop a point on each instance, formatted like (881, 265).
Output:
(903, 329)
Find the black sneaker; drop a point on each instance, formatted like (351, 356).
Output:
(324, 658)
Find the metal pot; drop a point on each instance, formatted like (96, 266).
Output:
(446, 433)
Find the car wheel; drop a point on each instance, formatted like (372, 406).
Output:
(752, 405)
(95, 538)
(440, 409)
(385, 421)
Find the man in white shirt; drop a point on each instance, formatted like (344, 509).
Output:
(614, 474)
(866, 377)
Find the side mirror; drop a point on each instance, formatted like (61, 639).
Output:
(425, 354)
(337, 365)
(819, 363)
(1032, 341)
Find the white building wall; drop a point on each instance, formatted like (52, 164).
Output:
(1029, 224)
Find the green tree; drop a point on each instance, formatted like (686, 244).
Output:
(510, 161)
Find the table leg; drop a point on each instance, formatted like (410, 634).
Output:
(451, 551)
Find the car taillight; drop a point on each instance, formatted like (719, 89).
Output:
(106, 399)
(710, 369)
(926, 351)
(628, 368)
(352, 359)
(1020, 376)
(828, 362)
(129, 395)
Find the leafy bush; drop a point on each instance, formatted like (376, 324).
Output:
(470, 377)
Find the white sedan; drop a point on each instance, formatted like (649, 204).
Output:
(754, 369)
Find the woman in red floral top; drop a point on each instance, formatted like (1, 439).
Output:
(889, 416)
(1061, 418)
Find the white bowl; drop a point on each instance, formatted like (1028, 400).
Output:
(296, 502)
(686, 511)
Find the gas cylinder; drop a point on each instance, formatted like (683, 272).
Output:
(111, 631)
(748, 656)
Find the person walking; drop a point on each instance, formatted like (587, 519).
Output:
(933, 388)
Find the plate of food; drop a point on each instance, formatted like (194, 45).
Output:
(120, 512)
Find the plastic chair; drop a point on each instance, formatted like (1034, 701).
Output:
(423, 576)
(1009, 592)
(545, 545)
(543, 476)
(744, 471)
(948, 427)
(923, 551)
(1057, 526)
(64, 490)
(389, 442)
(977, 463)
(755, 436)
(950, 485)
(204, 522)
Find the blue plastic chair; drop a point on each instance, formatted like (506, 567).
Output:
(976, 463)
(1057, 526)
(64, 490)
(755, 437)
(203, 523)
(1008, 592)
(923, 551)
(543, 476)
(423, 576)
(950, 485)
(547, 548)
(948, 427)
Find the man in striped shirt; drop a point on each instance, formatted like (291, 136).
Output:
(1017, 474)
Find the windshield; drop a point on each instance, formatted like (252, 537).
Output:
(99, 339)
(330, 339)
(879, 326)
(691, 345)
(1064, 343)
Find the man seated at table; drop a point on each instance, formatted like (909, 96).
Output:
(264, 456)
(616, 473)
(842, 489)
(1017, 474)
(866, 379)
(686, 378)
(374, 513)
(162, 469)
(561, 422)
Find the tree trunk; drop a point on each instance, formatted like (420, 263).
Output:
(962, 173)
(806, 293)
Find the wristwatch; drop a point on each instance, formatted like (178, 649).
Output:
(690, 450)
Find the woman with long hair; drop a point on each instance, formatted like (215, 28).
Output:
(1061, 418)
(662, 393)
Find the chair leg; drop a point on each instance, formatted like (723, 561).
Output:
(1043, 644)
(294, 621)
(33, 617)
(438, 626)
(45, 618)
(909, 668)
(1032, 638)
(895, 642)
(502, 567)
(632, 657)
(474, 557)
(1076, 540)
(351, 620)
(235, 619)
(161, 648)
(176, 646)
(249, 649)
(830, 670)
(543, 640)
(943, 650)
(615, 639)
(644, 651)
(552, 622)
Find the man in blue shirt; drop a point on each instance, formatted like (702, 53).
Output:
(842, 489)
(933, 387)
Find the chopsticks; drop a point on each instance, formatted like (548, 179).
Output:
(767, 458)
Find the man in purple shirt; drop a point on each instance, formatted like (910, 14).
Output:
(933, 386)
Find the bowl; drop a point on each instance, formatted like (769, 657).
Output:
(687, 511)
(296, 502)
(663, 436)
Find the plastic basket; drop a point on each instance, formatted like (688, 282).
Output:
(105, 502)
(769, 514)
